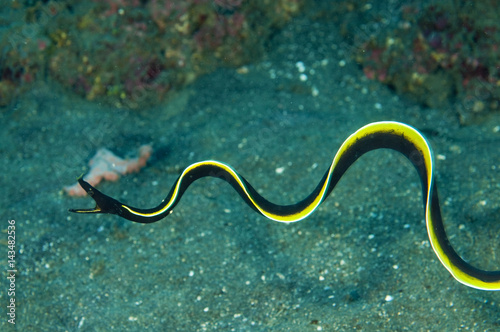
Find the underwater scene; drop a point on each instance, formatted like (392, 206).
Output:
(250, 165)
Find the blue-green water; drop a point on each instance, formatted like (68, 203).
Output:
(362, 261)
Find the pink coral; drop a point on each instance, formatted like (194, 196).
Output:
(106, 165)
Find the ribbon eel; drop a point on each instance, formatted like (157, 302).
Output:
(387, 134)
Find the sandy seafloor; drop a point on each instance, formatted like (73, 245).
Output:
(362, 261)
